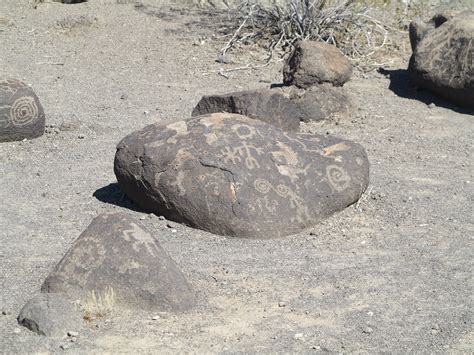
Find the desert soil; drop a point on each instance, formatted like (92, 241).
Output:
(391, 273)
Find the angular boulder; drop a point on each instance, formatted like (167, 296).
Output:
(51, 315)
(229, 174)
(267, 105)
(21, 113)
(442, 60)
(115, 256)
(312, 63)
(282, 107)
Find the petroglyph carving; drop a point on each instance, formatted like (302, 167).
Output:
(244, 131)
(338, 177)
(139, 238)
(236, 154)
(23, 111)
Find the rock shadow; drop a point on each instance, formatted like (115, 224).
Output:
(112, 194)
(402, 85)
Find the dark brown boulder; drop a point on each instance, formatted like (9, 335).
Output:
(442, 61)
(282, 107)
(267, 105)
(21, 113)
(116, 256)
(232, 175)
(312, 63)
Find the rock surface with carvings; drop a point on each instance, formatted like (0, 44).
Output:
(117, 258)
(442, 59)
(283, 107)
(312, 63)
(232, 175)
(21, 113)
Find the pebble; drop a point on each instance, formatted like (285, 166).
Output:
(161, 218)
(281, 304)
(367, 330)
(142, 218)
(81, 136)
(17, 330)
(72, 334)
(299, 336)
(316, 347)
(431, 105)
(5, 313)
(64, 346)
(174, 231)
(155, 317)
(370, 313)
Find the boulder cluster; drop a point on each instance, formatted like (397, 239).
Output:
(237, 167)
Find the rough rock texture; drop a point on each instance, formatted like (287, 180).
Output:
(21, 113)
(232, 175)
(115, 253)
(50, 314)
(282, 107)
(418, 28)
(443, 60)
(313, 63)
(267, 105)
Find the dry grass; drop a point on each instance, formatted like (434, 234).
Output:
(99, 304)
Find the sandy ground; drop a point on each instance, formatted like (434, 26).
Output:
(391, 273)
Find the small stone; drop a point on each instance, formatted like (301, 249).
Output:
(370, 314)
(367, 330)
(142, 218)
(174, 231)
(161, 218)
(431, 105)
(298, 336)
(316, 347)
(155, 317)
(5, 313)
(65, 346)
(124, 97)
(281, 304)
(81, 136)
(17, 331)
(72, 334)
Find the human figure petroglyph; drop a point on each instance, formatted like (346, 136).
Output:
(235, 154)
(139, 238)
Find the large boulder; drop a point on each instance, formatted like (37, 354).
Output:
(282, 107)
(311, 63)
(51, 315)
(229, 174)
(116, 258)
(21, 113)
(442, 60)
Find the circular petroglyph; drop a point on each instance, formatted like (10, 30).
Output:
(23, 111)
(338, 177)
(262, 186)
(282, 190)
(244, 131)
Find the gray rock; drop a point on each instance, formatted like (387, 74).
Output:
(442, 61)
(313, 63)
(21, 113)
(116, 253)
(51, 315)
(282, 107)
(232, 175)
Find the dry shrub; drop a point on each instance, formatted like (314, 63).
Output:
(99, 304)
(348, 24)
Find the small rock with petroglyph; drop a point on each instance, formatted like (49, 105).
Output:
(312, 63)
(232, 175)
(115, 262)
(50, 314)
(442, 59)
(21, 113)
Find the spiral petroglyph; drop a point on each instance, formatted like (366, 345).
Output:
(338, 177)
(262, 186)
(23, 111)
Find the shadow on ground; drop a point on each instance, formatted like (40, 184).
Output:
(402, 86)
(112, 194)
